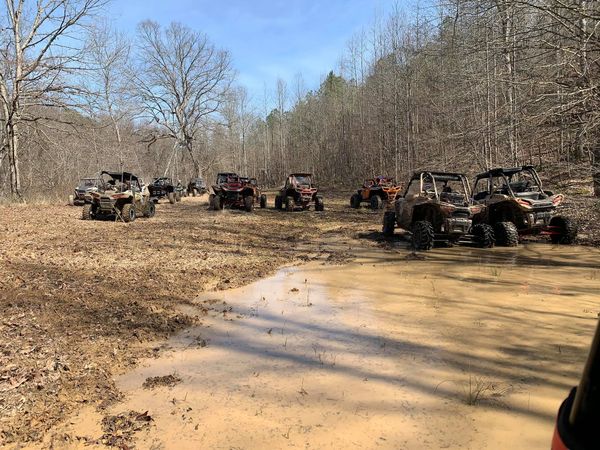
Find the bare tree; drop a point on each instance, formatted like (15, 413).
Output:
(182, 80)
(38, 52)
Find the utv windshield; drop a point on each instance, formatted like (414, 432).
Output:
(87, 183)
(302, 181)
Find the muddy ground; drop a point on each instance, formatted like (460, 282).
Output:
(83, 301)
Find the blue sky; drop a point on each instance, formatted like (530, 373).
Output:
(267, 38)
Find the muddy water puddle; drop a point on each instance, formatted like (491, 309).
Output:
(456, 348)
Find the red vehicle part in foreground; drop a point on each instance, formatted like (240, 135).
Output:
(578, 421)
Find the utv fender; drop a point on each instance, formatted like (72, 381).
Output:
(430, 214)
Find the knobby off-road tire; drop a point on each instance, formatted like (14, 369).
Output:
(355, 201)
(263, 201)
(177, 197)
(248, 203)
(289, 204)
(71, 200)
(376, 202)
(422, 235)
(319, 205)
(506, 234)
(128, 212)
(389, 223)
(211, 201)
(149, 210)
(171, 197)
(278, 202)
(194, 192)
(568, 230)
(218, 203)
(484, 235)
(86, 214)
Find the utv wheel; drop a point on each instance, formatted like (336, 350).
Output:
(218, 203)
(211, 201)
(422, 235)
(567, 231)
(278, 202)
(71, 200)
(128, 212)
(150, 210)
(289, 204)
(319, 206)
(177, 197)
(248, 203)
(506, 234)
(484, 235)
(376, 202)
(389, 223)
(194, 192)
(171, 197)
(263, 201)
(355, 201)
(87, 212)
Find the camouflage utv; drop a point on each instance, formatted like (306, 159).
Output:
(437, 208)
(518, 205)
(122, 197)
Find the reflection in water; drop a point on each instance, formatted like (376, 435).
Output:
(466, 348)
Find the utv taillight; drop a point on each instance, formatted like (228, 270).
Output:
(557, 200)
(523, 203)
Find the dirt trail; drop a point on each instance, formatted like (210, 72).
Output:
(464, 348)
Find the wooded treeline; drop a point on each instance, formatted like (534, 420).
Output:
(457, 85)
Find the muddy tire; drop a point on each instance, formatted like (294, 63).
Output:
(422, 235)
(319, 206)
(389, 223)
(87, 214)
(71, 200)
(355, 201)
(149, 210)
(567, 230)
(263, 201)
(376, 202)
(506, 234)
(128, 213)
(278, 202)
(248, 203)
(289, 204)
(218, 203)
(194, 192)
(177, 197)
(211, 201)
(484, 235)
(171, 197)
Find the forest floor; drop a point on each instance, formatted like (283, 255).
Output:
(84, 301)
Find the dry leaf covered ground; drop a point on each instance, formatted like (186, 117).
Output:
(82, 301)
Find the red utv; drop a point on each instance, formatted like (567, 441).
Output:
(299, 192)
(234, 191)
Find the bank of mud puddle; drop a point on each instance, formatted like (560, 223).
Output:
(456, 348)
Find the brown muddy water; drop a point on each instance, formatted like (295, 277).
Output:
(465, 348)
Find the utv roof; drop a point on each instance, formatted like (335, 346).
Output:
(503, 171)
(441, 176)
(120, 175)
(301, 174)
(228, 174)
